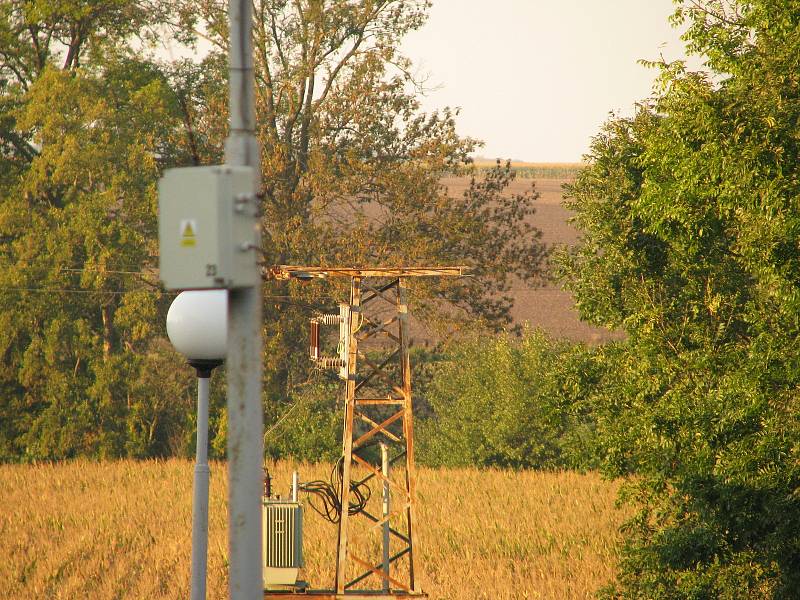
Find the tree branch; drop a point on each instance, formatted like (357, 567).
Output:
(719, 16)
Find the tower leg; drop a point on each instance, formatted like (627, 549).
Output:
(408, 427)
(347, 441)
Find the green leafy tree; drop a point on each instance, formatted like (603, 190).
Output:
(691, 246)
(85, 123)
(351, 170)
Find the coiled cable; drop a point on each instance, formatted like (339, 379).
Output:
(328, 494)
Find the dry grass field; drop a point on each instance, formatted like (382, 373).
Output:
(122, 530)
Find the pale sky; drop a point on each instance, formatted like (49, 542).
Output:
(535, 79)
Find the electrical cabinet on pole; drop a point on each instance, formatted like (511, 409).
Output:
(378, 432)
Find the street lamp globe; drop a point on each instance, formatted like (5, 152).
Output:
(197, 325)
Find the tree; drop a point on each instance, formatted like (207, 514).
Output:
(691, 246)
(352, 169)
(84, 123)
(351, 172)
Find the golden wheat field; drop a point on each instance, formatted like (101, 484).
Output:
(122, 530)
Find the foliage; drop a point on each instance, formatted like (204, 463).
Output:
(691, 246)
(511, 403)
(309, 425)
(351, 170)
(350, 165)
(85, 123)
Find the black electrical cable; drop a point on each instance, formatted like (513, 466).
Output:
(329, 494)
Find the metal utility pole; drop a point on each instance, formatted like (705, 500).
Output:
(197, 325)
(385, 515)
(244, 368)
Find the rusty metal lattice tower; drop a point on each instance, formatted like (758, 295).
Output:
(378, 407)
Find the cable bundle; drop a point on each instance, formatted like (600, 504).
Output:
(329, 493)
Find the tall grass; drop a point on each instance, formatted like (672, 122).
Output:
(122, 530)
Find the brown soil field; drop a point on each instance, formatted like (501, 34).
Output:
(123, 530)
(548, 307)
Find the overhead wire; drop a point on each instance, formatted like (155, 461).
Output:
(277, 298)
(110, 271)
(152, 273)
(82, 291)
(281, 420)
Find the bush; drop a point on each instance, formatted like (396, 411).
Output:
(309, 426)
(510, 402)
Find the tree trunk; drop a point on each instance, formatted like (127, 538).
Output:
(107, 331)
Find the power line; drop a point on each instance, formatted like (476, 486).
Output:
(110, 271)
(153, 273)
(279, 421)
(84, 270)
(279, 299)
(83, 291)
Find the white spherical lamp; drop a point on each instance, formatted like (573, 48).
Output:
(197, 325)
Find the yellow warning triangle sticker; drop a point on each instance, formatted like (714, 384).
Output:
(187, 230)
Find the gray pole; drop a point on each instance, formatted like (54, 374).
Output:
(385, 473)
(200, 502)
(244, 361)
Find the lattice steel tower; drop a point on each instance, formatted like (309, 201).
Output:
(378, 432)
